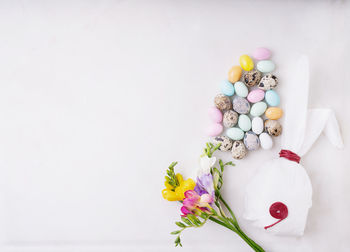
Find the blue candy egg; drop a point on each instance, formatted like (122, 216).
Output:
(272, 98)
(265, 66)
(227, 88)
(235, 133)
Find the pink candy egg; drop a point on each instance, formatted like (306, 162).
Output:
(215, 114)
(261, 53)
(256, 95)
(214, 129)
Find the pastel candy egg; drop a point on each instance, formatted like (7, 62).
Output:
(215, 114)
(272, 98)
(265, 66)
(214, 129)
(265, 141)
(256, 95)
(251, 141)
(241, 89)
(235, 133)
(246, 62)
(244, 122)
(240, 105)
(238, 150)
(234, 74)
(227, 88)
(257, 125)
(258, 109)
(261, 53)
(274, 113)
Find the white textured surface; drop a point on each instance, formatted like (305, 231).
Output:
(98, 97)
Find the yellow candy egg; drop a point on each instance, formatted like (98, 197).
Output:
(274, 113)
(246, 62)
(234, 74)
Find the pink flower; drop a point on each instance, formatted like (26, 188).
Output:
(193, 201)
(185, 211)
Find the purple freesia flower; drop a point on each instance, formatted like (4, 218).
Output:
(205, 185)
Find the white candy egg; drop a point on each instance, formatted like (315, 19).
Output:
(257, 125)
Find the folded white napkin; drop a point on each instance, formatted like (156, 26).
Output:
(285, 182)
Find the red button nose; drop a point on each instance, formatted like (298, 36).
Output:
(278, 210)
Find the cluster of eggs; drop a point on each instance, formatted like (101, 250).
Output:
(247, 106)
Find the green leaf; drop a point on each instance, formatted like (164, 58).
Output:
(216, 170)
(194, 219)
(178, 241)
(216, 147)
(221, 165)
(204, 215)
(214, 212)
(176, 232)
(180, 224)
(171, 178)
(230, 163)
(186, 221)
(210, 149)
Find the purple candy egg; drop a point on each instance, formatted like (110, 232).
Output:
(261, 53)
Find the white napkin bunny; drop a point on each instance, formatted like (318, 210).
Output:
(279, 195)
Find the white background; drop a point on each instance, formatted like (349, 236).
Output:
(97, 98)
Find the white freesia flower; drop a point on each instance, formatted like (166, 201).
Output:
(205, 163)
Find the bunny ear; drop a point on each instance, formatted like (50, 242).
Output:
(318, 121)
(296, 105)
(302, 127)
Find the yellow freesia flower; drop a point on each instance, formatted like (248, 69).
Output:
(175, 194)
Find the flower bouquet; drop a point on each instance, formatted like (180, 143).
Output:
(202, 200)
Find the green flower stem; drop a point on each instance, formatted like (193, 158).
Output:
(242, 234)
(225, 223)
(235, 223)
(230, 211)
(222, 213)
